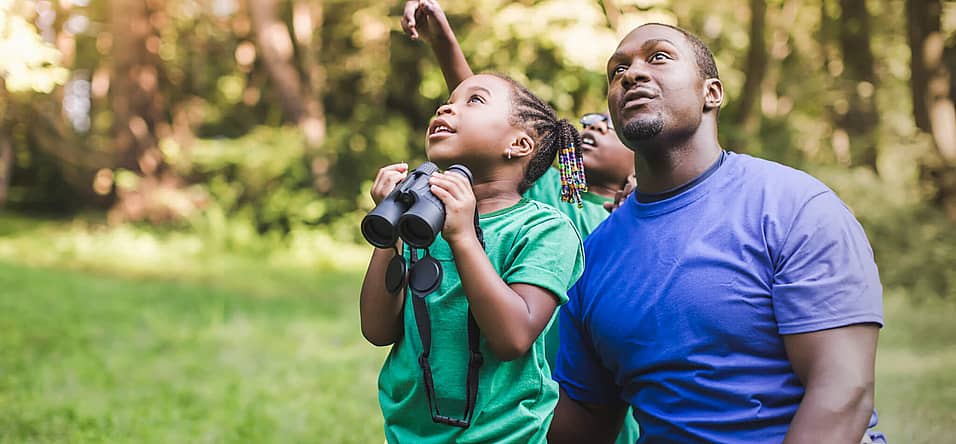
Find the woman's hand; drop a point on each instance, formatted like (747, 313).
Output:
(454, 190)
(387, 178)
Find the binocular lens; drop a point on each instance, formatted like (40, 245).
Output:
(378, 231)
(416, 231)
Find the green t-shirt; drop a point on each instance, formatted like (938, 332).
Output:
(547, 189)
(527, 243)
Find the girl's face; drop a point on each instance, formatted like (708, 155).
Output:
(473, 126)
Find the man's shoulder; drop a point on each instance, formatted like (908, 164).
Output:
(774, 180)
(774, 172)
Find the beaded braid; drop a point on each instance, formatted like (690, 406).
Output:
(571, 165)
(556, 138)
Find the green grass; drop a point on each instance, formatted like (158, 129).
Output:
(916, 371)
(87, 358)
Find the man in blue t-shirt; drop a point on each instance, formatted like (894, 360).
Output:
(729, 299)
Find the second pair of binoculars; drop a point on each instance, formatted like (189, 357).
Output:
(410, 211)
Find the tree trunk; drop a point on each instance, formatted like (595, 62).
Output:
(299, 101)
(6, 146)
(931, 79)
(6, 164)
(134, 89)
(756, 67)
(861, 119)
(922, 19)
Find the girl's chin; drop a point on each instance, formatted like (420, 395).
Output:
(442, 156)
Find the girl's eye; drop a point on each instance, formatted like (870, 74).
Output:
(476, 98)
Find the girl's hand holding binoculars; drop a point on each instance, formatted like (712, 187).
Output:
(387, 178)
(454, 190)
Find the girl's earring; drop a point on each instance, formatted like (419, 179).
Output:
(509, 153)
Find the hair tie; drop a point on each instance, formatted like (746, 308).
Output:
(570, 165)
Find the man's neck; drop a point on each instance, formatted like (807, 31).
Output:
(665, 166)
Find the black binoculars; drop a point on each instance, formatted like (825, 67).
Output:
(410, 211)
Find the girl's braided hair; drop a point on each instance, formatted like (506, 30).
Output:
(554, 137)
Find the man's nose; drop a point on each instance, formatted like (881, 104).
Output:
(636, 73)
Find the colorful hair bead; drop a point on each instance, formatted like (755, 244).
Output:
(573, 182)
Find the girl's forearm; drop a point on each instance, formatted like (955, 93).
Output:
(451, 59)
(504, 316)
(381, 311)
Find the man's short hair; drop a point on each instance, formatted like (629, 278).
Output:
(706, 66)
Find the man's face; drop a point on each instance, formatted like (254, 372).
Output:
(654, 87)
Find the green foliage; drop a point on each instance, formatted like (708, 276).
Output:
(262, 176)
(220, 248)
(914, 244)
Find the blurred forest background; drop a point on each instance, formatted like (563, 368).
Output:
(181, 183)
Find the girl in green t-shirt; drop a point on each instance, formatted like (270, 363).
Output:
(492, 386)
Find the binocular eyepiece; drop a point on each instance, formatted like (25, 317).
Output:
(410, 211)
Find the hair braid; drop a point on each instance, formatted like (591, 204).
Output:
(555, 138)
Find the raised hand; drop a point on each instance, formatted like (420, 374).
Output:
(424, 19)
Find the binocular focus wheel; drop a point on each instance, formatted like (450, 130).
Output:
(426, 275)
(395, 275)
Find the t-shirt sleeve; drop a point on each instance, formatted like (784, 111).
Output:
(578, 370)
(549, 255)
(825, 276)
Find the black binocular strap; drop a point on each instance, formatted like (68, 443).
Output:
(475, 359)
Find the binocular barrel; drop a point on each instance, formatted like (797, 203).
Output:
(411, 211)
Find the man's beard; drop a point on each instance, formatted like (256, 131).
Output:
(643, 129)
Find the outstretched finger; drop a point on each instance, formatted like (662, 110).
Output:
(408, 19)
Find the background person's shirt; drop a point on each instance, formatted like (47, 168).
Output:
(527, 243)
(681, 308)
(547, 189)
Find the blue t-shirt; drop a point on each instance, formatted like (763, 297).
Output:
(683, 302)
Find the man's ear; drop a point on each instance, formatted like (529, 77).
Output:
(522, 145)
(713, 94)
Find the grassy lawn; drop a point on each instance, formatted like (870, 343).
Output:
(86, 358)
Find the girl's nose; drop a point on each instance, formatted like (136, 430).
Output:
(444, 109)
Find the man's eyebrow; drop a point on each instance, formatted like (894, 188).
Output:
(654, 42)
(621, 54)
